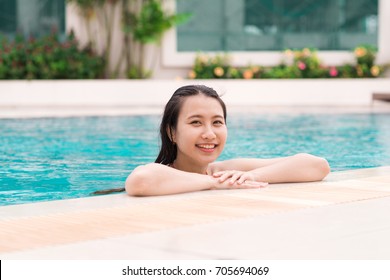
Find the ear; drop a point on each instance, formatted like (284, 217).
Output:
(171, 134)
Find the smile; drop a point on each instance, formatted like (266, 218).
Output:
(206, 146)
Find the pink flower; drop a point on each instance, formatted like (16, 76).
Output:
(301, 65)
(333, 71)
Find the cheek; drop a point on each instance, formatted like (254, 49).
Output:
(186, 135)
(223, 134)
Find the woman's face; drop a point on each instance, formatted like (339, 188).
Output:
(200, 134)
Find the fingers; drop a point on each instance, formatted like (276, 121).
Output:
(248, 184)
(257, 184)
(243, 178)
(232, 174)
(237, 179)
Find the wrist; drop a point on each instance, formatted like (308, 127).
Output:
(212, 182)
(257, 176)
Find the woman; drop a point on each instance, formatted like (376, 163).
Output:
(193, 134)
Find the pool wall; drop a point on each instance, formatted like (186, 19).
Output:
(15, 96)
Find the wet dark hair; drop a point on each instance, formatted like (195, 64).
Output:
(168, 150)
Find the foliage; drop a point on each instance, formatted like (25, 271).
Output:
(48, 58)
(213, 67)
(143, 22)
(101, 12)
(295, 64)
(150, 24)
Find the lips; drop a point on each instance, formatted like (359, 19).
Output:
(207, 147)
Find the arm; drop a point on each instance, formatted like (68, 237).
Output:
(242, 164)
(297, 168)
(158, 179)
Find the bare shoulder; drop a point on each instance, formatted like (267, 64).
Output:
(151, 169)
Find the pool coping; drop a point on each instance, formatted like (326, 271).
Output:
(67, 98)
(342, 217)
(261, 92)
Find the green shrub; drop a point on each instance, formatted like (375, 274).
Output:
(48, 58)
(217, 67)
(295, 64)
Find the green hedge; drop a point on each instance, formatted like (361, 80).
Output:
(48, 58)
(295, 64)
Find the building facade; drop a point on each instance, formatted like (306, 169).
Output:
(252, 32)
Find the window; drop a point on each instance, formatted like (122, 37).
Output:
(32, 17)
(261, 25)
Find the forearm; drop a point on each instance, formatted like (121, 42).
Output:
(298, 168)
(243, 164)
(157, 179)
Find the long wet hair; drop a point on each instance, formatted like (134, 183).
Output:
(168, 150)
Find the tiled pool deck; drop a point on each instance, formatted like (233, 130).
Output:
(346, 216)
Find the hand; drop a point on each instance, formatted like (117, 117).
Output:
(213, 167)
(226, 185)
(238, 177)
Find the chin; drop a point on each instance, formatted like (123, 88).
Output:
(210, 159)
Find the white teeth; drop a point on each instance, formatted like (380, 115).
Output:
(206, 146)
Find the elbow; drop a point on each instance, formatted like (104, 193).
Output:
(323, 168)
(137, 182)
(319, 166)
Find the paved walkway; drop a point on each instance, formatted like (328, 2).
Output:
(344, 217)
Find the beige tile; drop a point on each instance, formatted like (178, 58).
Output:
(32, 232)
(60, 223)
(380, 179)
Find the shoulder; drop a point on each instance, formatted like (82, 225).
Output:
(151, 167)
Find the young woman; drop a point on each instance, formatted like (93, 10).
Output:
(193, 134)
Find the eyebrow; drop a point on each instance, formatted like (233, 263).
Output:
(200, 116)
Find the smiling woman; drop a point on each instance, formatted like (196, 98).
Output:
(193, 134)
(198, 134)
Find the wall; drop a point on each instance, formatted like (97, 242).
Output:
(168, 63)
(149, 93)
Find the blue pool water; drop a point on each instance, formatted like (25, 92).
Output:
(59, 158)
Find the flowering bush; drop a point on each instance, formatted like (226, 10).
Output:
(217, 67)
(295, 64)
(48, 58)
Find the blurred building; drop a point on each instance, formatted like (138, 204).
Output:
(32, 17)
(251, 31)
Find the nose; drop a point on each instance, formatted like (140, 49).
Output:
(208, 133)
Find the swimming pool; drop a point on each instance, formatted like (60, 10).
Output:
(59, 158)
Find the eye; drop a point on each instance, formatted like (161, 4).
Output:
(195, 122)
(218, 123)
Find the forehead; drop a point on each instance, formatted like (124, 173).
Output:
(200, 105)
